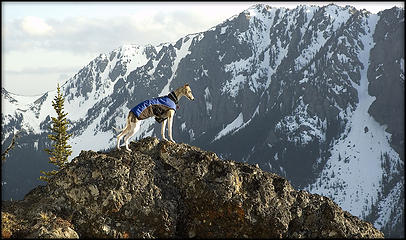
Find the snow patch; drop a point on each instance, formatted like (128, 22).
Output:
(180, 54)
(209, 105)
(302, 128)
(223, 30)
(191, 135)
(354, 169)
(238, 122)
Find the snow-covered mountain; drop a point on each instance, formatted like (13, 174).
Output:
(315, 94)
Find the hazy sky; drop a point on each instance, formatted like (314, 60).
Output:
(44, 43)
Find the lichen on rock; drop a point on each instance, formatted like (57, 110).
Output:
(164, 189)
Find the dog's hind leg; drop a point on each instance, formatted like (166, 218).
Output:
(124, 132)
(134, 128)
(120, 136)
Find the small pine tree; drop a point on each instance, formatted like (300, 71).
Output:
(60, 150)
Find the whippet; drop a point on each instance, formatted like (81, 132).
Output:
(163, 108)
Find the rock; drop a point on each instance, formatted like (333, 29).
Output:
(168, 190)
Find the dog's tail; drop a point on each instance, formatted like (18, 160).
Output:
(118, 130)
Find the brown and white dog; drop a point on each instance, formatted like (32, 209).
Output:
(162, 108)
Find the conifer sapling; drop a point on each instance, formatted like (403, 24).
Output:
(60, 150)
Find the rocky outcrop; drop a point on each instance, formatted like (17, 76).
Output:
(386, 76)
(164, 189)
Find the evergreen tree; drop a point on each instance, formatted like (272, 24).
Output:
(60, 150)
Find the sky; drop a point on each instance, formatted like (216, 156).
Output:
(45, 43)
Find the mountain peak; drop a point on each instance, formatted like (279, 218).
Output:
(164, 189)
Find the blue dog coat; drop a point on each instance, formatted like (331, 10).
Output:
(155, 107)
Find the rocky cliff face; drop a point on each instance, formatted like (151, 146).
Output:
(387, 76)
(163, 189)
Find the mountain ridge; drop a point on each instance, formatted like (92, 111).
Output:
(294, 73)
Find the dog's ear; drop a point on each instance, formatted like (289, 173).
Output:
(187, 85)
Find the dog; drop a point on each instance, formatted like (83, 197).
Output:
(162, 108)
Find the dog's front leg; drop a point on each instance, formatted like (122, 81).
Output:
(170, 121)
(163, 125)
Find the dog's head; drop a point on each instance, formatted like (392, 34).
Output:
(188, 92)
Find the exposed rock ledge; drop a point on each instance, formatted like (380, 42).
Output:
(163, 189)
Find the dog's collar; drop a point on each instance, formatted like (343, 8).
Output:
(173, 97)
